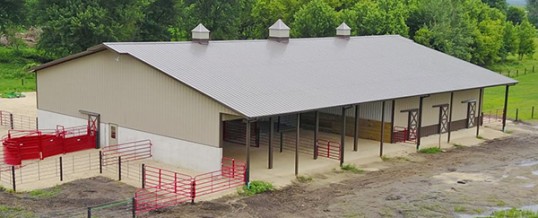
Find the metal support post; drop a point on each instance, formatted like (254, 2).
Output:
(505, 107)
(450, 116)
(271, 134)
(247, 145)
(356, 129)
(316, 135)
(382, 137)
(61, 170)
(343, 136)
(119, 168)
(297, 138)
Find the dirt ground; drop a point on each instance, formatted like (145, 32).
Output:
(460, 181)
(67, 200)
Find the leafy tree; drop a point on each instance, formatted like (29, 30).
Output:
(515, 15)
(221, 17)
(265, 12)
(381, 17)
(443, 25)
(527, 33)
(488, 31)
(532, 8)
(510, 41)
(315, 19)
(73, 26)
(499, 4)
(11, 13)
(159, 17)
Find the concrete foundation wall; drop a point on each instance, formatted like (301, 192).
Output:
(176, 152)
(168, 150)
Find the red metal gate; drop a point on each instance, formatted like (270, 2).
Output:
(328, 149)
(22, 145)
(128, 151)
(164, 188)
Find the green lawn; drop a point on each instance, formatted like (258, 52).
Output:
(523, 96)
(9, 83)
(13, 77)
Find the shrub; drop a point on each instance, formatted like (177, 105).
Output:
(513, 213)
(351, 168)
(433, 150)
(45, 193)
(304, 179)
(256, 187)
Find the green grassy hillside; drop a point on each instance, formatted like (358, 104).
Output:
(523, 96)
(14, 75)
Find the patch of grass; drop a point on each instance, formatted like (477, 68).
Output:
(460, 209)
(432, 150)
(480, 137)
(45, 193)
(351, 168)
(256, 187)
(7, 211)
(514, 213)
(478, 210)
(456, 145)
(397, 158)
(304, 179)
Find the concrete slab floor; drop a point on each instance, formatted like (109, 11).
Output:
(283, 172)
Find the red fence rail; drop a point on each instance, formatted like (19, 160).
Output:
(231, 175)
(163, 188)
(22, 145)
(128, 151)
(328, 149)
(400, 134)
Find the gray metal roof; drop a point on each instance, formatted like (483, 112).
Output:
(263, 77)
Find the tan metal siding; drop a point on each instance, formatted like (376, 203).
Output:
(131, 94)
(460, 109)
(400, 118)
(430, 115)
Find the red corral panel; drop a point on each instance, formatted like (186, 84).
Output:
(22, 145)
(51, 145)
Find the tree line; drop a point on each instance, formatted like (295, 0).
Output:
(479, 31)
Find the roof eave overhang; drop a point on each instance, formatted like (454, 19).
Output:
(89, 51)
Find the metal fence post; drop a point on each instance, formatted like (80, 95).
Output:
(143, 175)
(281, 141)
(175, 182)
(517, 72)
(119, 168)
(134, 207)
(532, 113)
(11, 121)
(101, 162)
(89, 212)
(517, 114)
(13, 178)
(61, 170)
(193, 190)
